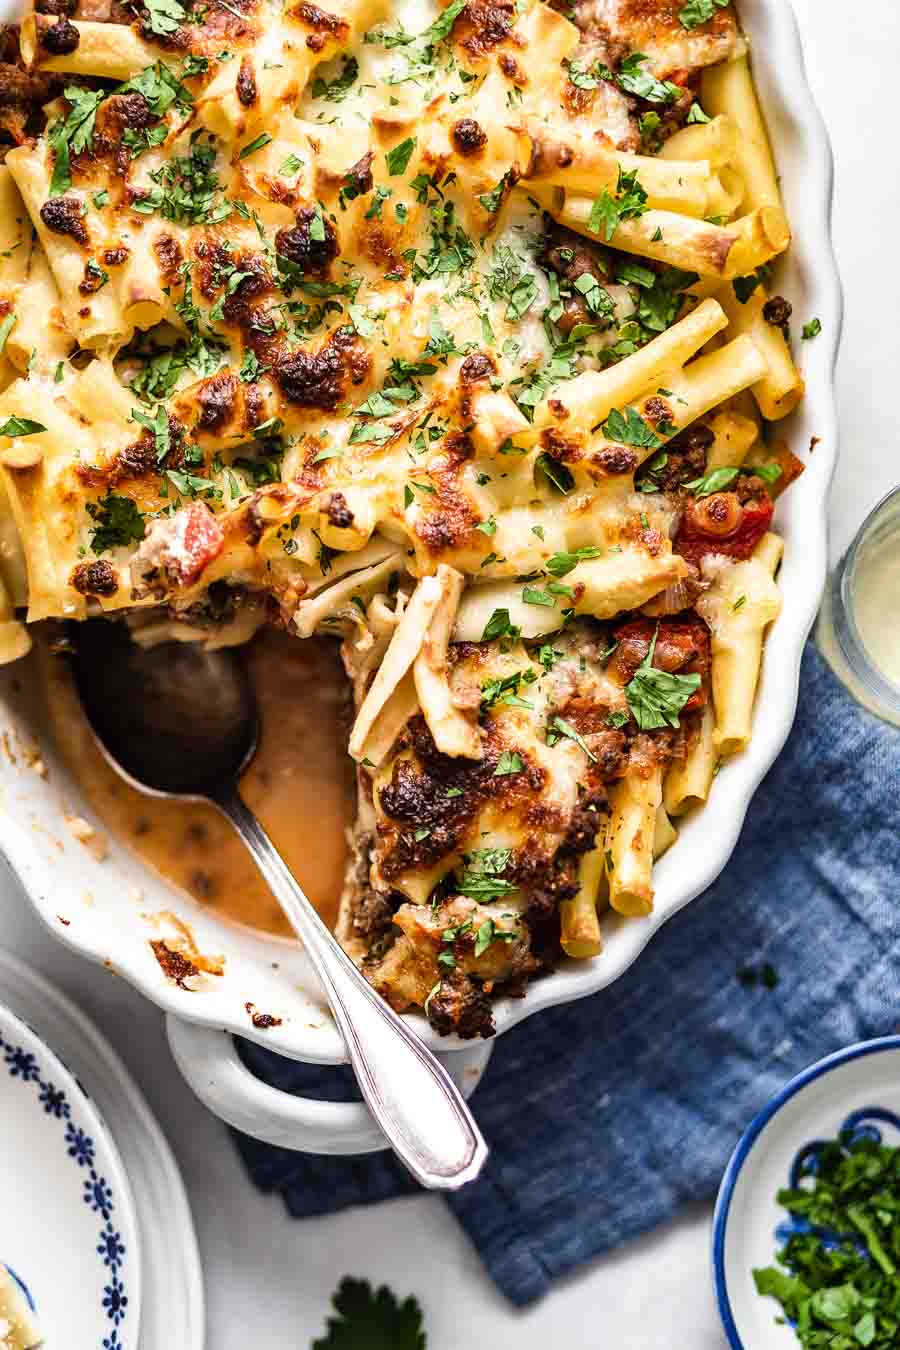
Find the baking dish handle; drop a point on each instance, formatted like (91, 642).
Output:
(210, 1064)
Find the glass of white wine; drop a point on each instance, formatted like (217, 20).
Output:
(859, 624)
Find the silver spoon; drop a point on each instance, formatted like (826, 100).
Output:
(179, 722)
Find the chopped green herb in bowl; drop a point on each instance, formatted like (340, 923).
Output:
(838, 1273)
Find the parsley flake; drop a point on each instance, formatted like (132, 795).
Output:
(656, 697)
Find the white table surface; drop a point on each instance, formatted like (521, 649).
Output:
(269, 1278)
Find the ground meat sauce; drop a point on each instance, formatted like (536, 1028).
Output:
(461, 1006)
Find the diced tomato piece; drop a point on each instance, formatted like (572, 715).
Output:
(200, 540)
(755, 520)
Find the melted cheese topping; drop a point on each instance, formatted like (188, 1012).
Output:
(306, 297)
(313, 284)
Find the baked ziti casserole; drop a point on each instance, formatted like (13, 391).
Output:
(449, 334)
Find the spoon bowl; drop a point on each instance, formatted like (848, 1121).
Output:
(178, 721)
(175, 719)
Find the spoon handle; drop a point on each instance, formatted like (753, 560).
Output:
(413, 1099)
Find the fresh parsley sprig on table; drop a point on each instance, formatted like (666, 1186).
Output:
(370, 1319)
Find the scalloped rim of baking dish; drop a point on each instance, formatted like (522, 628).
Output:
(86, 903)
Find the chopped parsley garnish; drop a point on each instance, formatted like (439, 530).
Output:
(557, 473)
(195, 65)
(164, 17)
(508, 763)
(485, 881)
(629, 202)
(697, 12)
(161, 88)
(650, 472)
(117, 522)
(159, 425)
(443, 23)
(290, 166)
(261, 140)
(531, 596)
(491, 201)
(185, 188)
(21, 426)
(648, 125)
(96, 273)
(488, 933)
(398, 158)
(656, 697)
(334, 91)
(629, 428)
(361, 321)
(510, 280)
(561, 564)
(596, 297)
(635, 274)
(558, 729)
(6, 328)
(189, 484)
(164, 368)
(744, 287)
(659, 304)
(717, 480)
(812, 329)
(769, 473)
(504, 691)
(696, 115)
(561, 366)
(498, 625)
(634, 79)
(73, 135)
(378, 200)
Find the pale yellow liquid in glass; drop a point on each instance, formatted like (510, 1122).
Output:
(867, 611)
(876, 603)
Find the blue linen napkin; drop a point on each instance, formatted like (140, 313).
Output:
(607, 1115)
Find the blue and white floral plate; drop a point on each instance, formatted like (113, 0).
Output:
(856, 1089)
(171, 1278)
(68, 1229)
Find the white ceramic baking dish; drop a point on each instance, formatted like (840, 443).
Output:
(108, 910)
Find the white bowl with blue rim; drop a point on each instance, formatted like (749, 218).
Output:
(68, 1231)
(856, 1089)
